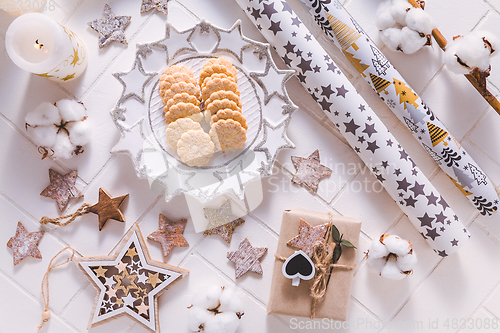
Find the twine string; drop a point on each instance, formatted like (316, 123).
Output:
(45, 284)
(71, 217)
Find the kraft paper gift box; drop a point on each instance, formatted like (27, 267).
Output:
(288, 300)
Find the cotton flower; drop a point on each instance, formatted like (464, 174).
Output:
(391, 257)
(60, 129)
(216, 309)
(403, 27)
(474, 50)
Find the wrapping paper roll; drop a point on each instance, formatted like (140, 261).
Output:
(429, 131)
(361, 127)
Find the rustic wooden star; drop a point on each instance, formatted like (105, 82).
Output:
(246, 258)
(221, 221)
(108, 208)
(110, 27)
(62, 188)
(309, 171)
(307, 236)
(129, 284)
(24, 244)
(169, 234)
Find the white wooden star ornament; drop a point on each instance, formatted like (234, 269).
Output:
(129, 281)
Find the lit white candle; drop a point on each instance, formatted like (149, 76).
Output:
(40, 45)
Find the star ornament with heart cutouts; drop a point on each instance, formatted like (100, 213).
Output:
(129, 281)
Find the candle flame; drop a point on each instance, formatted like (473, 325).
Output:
(37, 45)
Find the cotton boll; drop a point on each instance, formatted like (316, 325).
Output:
(231, 300)
(71, 110)
(383, 17)
(407, 262)
(411, 41)
(229, 321)
(377, 250)
(391, 38)
(398, 10)
(472, 50)
(43, 115)
(79, 132)
(214, 325)
(377, 264)
(44, 136)
(208, 298)
(450, 58)
(63, 147)
(417, 19)
(492, 40)
(391, 270)
(397, 245)
(198, 316)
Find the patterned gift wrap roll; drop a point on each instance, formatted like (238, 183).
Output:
(361, 127)
(434, 137)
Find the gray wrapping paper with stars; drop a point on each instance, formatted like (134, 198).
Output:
(392, 88)
(361, 127)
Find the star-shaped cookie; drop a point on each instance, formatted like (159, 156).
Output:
(309, 171)
(129, 281)
(221, 221)
(25, 243)
(307, 236)
(159, 5)
(246, 258)
(110, 27)
(62, 188)
(108, 208)
(169, 234)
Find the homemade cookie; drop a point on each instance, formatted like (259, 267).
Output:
(182, 110)
(216, 84)
(209, 71)
(230, 114)
(195, 148)
(228, 135)
(177, 69)
(224, 62)
(224, 94)
(217, 105)
(167, 80)
(182, 97)
(216, 76)
(175, 130)
(178, 88)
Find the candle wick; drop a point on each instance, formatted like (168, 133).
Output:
(38, 45)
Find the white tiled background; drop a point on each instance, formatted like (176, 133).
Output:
(462, 286)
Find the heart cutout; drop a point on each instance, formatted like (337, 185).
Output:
(298, 267)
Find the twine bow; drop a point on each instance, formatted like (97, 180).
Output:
(322, 257)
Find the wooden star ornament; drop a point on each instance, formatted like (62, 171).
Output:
(62, 188)
(128, 281)
(108, 208)
(246, 258)
(169, 234)
(24, 244)
(309, 171)
(307, 236)
(221, 221)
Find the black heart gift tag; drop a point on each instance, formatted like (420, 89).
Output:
(298, 266)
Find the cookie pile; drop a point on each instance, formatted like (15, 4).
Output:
(219, 91)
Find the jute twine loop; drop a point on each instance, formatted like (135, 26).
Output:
(71, 217)
(45, 284)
